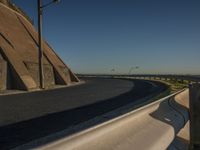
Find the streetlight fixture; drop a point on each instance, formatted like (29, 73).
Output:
(133, 68)
(112, 72)
(41, 70)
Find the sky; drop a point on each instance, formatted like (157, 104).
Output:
(106, 36)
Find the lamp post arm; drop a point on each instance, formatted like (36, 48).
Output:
(46, 5)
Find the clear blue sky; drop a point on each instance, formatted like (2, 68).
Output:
(94, 36)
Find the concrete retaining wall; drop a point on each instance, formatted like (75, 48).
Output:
(3, 74)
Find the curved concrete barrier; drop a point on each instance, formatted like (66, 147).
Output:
(152, 127)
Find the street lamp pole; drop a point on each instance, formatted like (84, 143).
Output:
(40, 53)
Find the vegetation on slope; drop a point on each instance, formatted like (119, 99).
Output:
(175, 86)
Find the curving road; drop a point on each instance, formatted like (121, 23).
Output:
(29, 116)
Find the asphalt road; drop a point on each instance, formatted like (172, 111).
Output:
(29, 116)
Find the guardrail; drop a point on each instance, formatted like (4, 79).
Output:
(154, 126)
(191, 78)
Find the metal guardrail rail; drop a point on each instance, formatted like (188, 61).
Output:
(193, 78)
(151, 127)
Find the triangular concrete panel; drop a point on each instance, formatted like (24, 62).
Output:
(19, 48)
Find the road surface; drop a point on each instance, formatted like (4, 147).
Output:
(29, 116)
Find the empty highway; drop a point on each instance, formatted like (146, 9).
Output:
(28, 116)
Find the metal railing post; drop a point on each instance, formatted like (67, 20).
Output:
(194, 104)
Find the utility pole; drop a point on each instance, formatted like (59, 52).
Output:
(40, 53)
(41, 69)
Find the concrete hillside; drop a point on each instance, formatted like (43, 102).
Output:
(11, 5)
(19, 55)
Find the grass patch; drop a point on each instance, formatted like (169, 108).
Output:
(175, 86)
